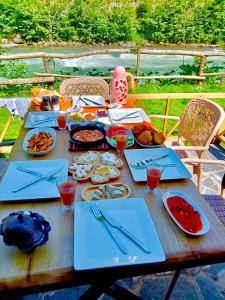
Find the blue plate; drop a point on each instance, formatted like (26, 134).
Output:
(94, 247)
(179, 171)
(42, 189)
(36, 119)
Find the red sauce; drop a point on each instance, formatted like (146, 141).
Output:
(185, 214)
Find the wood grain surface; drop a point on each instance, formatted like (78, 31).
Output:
(52, 264)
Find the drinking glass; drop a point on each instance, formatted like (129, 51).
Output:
(154, 173)
(67, 190)
(121, 141)
(61, 119)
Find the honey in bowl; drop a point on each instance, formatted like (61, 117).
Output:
(89, 117)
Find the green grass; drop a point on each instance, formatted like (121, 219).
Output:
(153, 106)
(13, 130)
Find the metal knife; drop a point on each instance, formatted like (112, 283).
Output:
(48, 175)
(37, 174)
(116, 224)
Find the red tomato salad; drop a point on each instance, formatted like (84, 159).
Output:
(113, 130)
(184, 213)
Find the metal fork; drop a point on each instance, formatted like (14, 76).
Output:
(154, 164)
(98, 215)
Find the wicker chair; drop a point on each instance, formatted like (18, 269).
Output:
(198, 125)
(85, 86)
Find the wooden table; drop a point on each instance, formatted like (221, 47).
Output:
(51, 266)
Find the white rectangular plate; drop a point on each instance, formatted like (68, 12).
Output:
(97, 99)
(36, 131)
(179, 171)
(205, 222)
(39, 190)
(122, 112)
(37, 116)
(93, 245)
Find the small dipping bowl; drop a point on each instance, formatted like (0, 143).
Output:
(89, 116)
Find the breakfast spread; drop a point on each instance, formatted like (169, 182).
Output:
(88, 135)
(106, 191)
(41, 141)
(146, 135)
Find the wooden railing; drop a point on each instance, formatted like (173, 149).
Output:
(49, 77)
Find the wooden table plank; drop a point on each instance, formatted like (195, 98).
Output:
(53, 263)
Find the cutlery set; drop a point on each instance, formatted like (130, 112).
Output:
(131, 115)
(34, 123)
(111, 225)
(39, 176)
(87, 101)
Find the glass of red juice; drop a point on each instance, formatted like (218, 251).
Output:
(121, 140)
(61, 119)
(67, 190)
(153, 177)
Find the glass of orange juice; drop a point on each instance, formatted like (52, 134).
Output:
(121, 140)
(61, 119)
(67, 191)
(154, 173)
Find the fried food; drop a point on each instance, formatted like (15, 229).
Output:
(145, 137)
(159, 138)
(136, 129)
(40, 142)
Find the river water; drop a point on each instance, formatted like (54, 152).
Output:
(154, 63)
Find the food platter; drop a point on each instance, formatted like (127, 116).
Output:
(87, 193)
(39, 141)
(87, 135)
(146, 136)
(189, 212)
(110, 135)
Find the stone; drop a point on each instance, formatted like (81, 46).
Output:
(208, 289)
(17, 39)
(185, 290)
(214, 270)
(154, 288)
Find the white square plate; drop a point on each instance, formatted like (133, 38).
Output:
(13, 178)
(97, 99)
(93, 246)
(36, 119)
(122, 112)
(179, 171)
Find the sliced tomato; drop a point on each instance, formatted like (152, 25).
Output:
(185, 214)
(113, 129)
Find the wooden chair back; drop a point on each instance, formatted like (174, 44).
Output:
(85, 86)
(200, 121)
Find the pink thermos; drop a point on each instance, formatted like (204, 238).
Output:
(119, 86)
